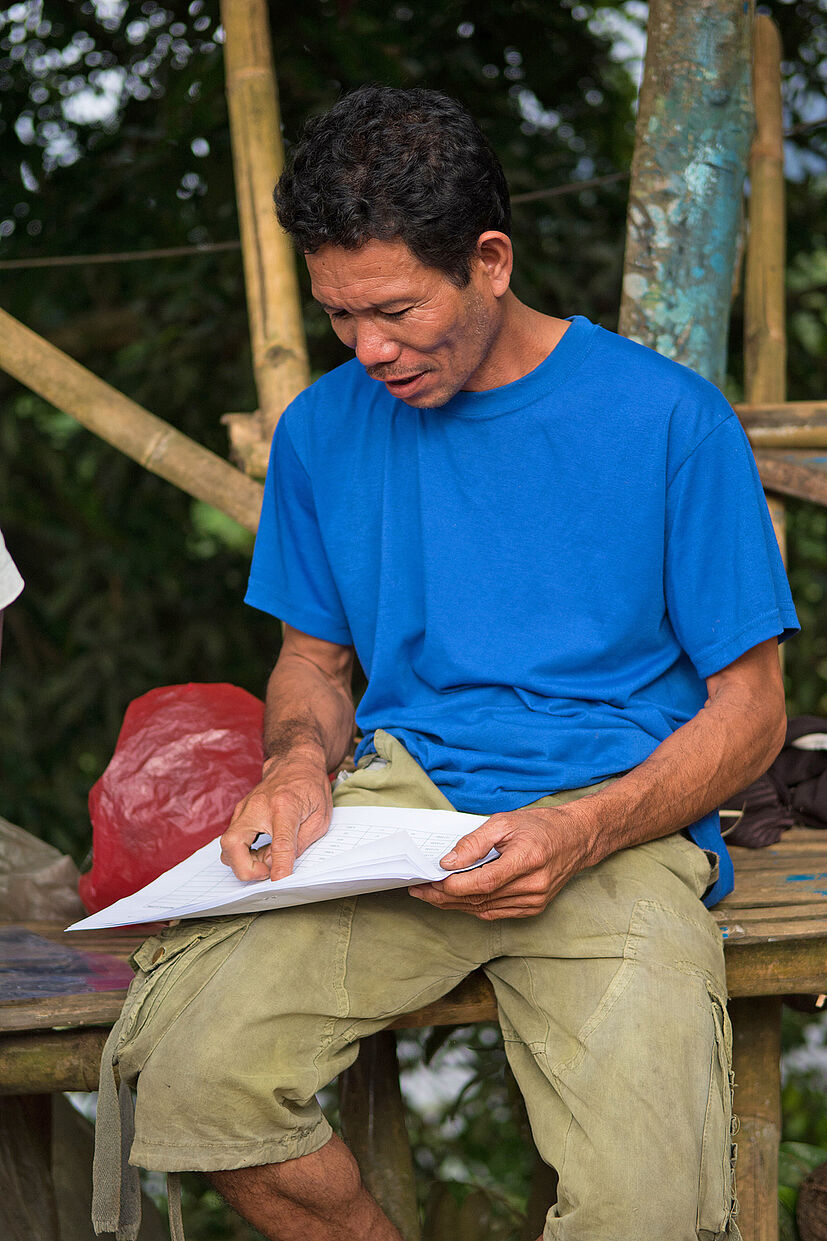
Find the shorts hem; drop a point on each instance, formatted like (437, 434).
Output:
(227, 1156)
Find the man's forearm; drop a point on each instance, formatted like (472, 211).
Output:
(721, 750)
(308, 710)
(308, 727)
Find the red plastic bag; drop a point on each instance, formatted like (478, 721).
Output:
(185, 756)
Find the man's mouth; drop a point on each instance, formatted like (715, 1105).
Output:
(402, 384)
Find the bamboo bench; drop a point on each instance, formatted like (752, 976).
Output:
(60, 994)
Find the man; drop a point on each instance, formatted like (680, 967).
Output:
(550, 550)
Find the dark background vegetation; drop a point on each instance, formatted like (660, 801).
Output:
(114, 137)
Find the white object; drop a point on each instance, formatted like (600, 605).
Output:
(365, 849)
(811, 741)
(11, 583)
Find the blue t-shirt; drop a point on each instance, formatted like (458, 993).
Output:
(536, 578)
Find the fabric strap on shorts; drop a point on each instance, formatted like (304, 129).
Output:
(176, 1219)
(116, 1186)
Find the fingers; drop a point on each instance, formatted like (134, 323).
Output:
(237, 853)
(484, 880)
(510, 911)
(272, 861)
(524, 887)
(530, 870)
(250, 819)
(313, 828)
(513, 905)
(291, 834)
(477, 844)
(280, 854)
(292, 817)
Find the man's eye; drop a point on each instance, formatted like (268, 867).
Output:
(338, 314)
(397, 314)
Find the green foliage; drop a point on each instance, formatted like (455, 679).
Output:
(796, 1160)
(804, 1038)
(451, 1134)
(806, 655)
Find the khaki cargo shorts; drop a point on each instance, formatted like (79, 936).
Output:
(611, 1003)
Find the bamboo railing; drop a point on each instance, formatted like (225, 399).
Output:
(123, 423)
(784, 424)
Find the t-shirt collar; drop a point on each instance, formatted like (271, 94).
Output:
(554, 370)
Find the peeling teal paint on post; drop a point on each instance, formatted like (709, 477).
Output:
(694, 130)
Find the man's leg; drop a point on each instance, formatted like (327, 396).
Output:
(318, 1197)
(612, 1008)
(244, 1025)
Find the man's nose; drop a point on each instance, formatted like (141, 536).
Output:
(374, 346)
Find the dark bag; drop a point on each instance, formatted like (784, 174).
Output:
(793, 790)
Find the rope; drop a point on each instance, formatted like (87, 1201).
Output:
(124, 256)
(572, 188)
(173, 252)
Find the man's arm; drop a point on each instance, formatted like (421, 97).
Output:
(308, 728)
(731, 741)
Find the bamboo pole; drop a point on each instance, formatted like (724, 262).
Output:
(692, 138)
(765, 339)
(150, 441)
(757, 1022)
(273, 303)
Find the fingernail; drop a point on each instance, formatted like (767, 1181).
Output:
(450, 857)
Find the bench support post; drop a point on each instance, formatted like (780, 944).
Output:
(756, 1027)
(373, 1124)
(27, 1194)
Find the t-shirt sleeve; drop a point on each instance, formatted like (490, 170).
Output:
(726, 588)
(290, 576)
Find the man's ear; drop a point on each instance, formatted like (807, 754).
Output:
(496, 257)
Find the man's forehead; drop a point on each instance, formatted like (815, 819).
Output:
(379, 273)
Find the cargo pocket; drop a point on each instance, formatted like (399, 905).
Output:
(184, 957)
(717, 1204)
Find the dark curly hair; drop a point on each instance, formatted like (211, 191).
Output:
(384, 163)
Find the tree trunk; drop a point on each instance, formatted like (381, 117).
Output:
(693, 132)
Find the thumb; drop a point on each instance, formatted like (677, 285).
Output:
(475, 845)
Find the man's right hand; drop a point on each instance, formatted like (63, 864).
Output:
(292, 804)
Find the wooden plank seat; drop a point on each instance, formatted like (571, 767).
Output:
(60, 994)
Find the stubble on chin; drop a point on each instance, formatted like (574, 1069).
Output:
(480, 331)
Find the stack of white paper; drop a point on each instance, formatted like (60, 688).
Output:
(366, 849)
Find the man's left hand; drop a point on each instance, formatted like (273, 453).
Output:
(540, 850)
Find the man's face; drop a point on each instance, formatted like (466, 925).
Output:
(410, 327)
